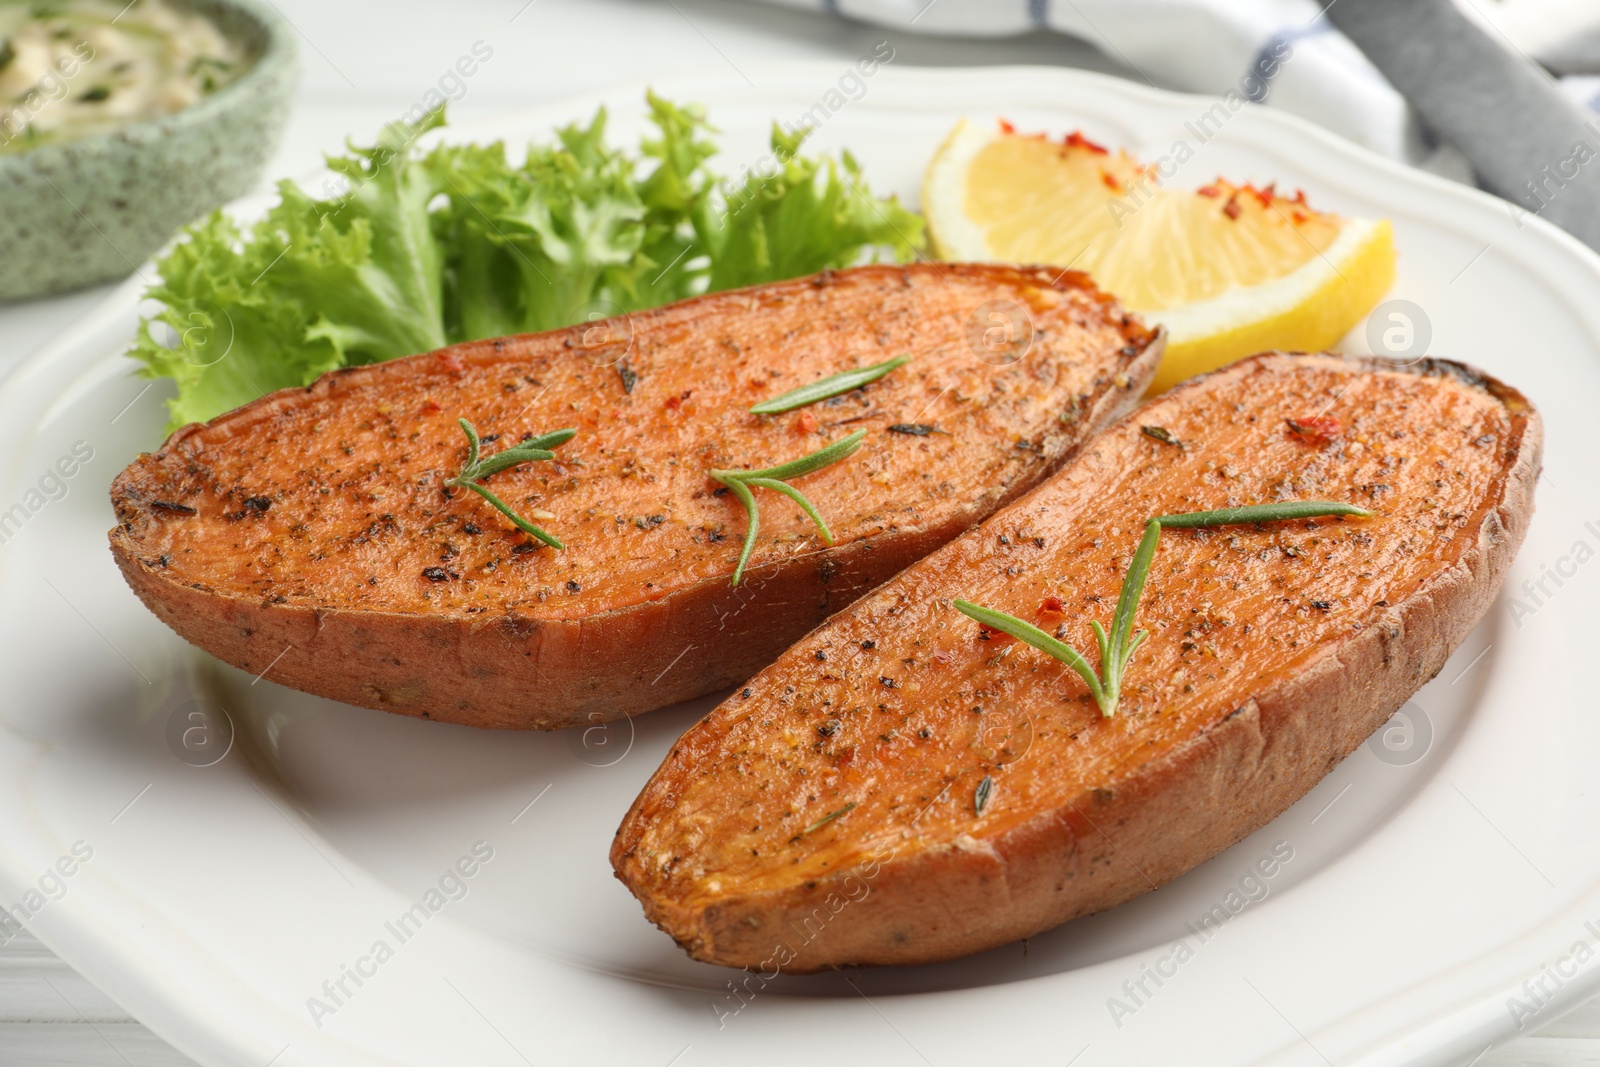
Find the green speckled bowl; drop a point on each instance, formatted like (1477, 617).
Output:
(92, 210)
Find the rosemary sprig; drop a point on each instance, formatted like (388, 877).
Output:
(1118, 646)
(740, 482)
(479, 467)
(832, 385)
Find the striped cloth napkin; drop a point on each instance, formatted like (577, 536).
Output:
(1438, 85)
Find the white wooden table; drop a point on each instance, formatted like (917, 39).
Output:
(363, 64)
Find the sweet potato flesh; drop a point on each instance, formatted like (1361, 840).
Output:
(335, 496)
(889, 716)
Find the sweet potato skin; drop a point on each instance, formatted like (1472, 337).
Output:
(725, 846)
(292, 536)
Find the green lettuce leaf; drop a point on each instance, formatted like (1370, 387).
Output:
(672, 262)
(422, 251)
(807, 215)
(543, 241)
(226, 341)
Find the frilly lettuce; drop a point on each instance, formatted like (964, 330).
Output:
(422, 251)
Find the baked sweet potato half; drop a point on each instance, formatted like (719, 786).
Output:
(904, 786)
(311, 534)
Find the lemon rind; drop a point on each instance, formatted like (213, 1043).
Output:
(1314, 322)
(1246, 304)
(952, 235)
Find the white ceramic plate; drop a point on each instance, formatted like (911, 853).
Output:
(1429, 877)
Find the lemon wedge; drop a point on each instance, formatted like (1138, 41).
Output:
(1230, 270)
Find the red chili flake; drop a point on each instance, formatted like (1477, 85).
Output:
(1209, 190)
(1317, 427)
(1110, 181)
(430, 406)
(1051, 609)
(1231, 208)
(1076, 139)
(805, 422)
(1264, 195)
(998, 638)
(1006, 127)
(844, 758)
(448, 360)
(674, 403)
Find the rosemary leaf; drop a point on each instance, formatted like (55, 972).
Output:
(534, 448)
(980, 796)
(752, 522)
(1101, 639)
(1133, 584)
(505, 509)
(1030, 634)
(507, 458)
(832, 385)
(826, 819)
(553, 439)
(1123, 640)
(1292, 509)
(1162, 434)
(472, 444)
(799, 498)
(823, 457)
